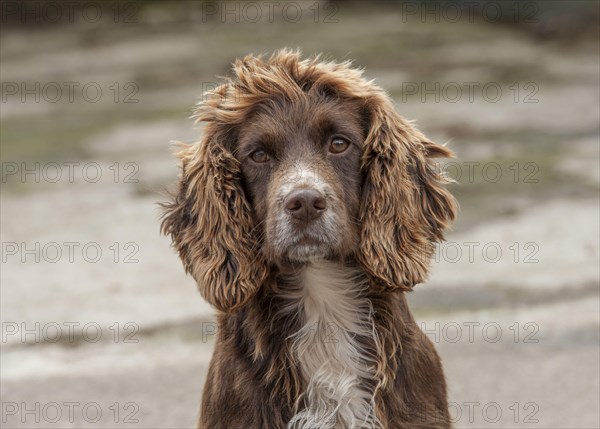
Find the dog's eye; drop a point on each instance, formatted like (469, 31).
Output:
(259, 156)
(338, 145)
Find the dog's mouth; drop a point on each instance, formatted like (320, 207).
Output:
(302, 253)
(308, 247)
(308, 240)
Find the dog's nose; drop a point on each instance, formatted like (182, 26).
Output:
(305, 204)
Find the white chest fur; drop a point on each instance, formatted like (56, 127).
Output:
(336, 365)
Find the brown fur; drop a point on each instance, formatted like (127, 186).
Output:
(402, 209)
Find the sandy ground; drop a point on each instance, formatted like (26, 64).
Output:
(512, 301)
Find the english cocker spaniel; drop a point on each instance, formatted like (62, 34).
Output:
(304, 213)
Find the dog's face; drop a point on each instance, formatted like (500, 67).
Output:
(304, 159)
(301, 172)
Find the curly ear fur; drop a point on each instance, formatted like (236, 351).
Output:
(210, 223)
(405, 207)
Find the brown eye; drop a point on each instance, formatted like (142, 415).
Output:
(259, 156)
(338, 145)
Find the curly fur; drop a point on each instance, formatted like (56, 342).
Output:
(404, 209)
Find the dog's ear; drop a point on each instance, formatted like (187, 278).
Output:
(210, 223)
(404, 207)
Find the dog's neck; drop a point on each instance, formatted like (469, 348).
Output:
(335, 347)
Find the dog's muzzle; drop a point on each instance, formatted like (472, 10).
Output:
(306, 224)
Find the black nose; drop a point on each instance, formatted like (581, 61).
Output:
(305, 204)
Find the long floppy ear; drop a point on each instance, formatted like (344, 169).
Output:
(404, 207)
(210, 223)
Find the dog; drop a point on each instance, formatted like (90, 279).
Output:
(304, 213)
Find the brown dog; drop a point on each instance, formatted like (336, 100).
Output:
(304, 213)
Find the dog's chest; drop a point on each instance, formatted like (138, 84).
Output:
(336, 350)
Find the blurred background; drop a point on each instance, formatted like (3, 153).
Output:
(100, 326)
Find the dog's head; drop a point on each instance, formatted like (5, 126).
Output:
(304, 159)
